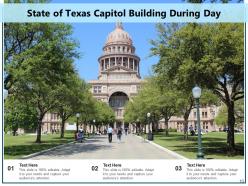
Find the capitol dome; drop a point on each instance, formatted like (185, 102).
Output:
(118, 36)
(119, 53)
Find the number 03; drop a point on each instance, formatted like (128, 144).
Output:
(178, 168)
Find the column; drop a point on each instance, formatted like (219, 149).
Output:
(128, 63)
(122, 61)
(47, 127)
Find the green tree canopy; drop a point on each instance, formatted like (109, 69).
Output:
(73, 98)
(210, 55)
(18, 115)
(38, 73)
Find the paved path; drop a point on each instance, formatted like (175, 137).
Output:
(98, 147)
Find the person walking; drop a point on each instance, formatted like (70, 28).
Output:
(119, 133)
(110, 131)
(126, 131)
(80, 136)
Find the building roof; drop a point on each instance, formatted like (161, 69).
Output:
(119, 36)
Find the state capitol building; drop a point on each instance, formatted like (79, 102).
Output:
(119, 80)
(118, 74)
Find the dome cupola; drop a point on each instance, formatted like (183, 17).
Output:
(119, 36)
(119, 53)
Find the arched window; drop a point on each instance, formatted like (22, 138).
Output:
(118, 99)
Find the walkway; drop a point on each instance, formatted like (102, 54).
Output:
(131, 147)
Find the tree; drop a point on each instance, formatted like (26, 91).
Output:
(18, 115)
(210, 55)
(88, 111)
(170, 74)
(222, 116)
(72, 99)
(239, 112)
(104, 114)
(44, 68)
(161, 103)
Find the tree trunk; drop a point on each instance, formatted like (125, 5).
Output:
(231, 123)
(14, 132)
(185, 122)
(62, 133)
(166, 127)
(185, 130)
(38, 137)
(154, 126)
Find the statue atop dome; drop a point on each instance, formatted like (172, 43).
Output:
(119, 25)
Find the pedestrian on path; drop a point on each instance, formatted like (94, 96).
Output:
(110, 131)
(126, 131)
(119, 133)
(80, 136)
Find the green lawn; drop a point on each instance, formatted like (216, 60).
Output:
(17, 146)
(214, 145)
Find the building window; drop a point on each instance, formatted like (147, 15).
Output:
(102, 66)
(118, 60)
(106, 65)
(135, 65)
(97, 89)
(205, 126)
(112, 62)
(131, 63)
